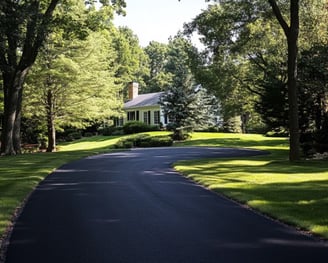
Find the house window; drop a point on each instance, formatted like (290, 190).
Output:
(137, 113)
(131, 115)
(156, 117)
(118, 122)
(145, 117)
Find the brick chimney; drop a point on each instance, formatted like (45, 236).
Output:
(133, 90)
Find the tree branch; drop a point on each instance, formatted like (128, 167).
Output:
(31, 48)
(280, 18)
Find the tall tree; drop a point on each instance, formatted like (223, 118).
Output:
(72, 84)
(188, 107)
(131, 63)
(291, 31)
(24, 26)
(159, 79)
(223, 67)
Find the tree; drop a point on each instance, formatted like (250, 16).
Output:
(224, 66)
(131, 63)
(227, 31)
(169, 64)
(159, 78)
(71, 83)
(313, 87)
(292, 32)
(188, 107)
(24, 26)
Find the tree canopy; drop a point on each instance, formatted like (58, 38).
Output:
(24, 26)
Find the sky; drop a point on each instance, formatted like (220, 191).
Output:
(159, 19)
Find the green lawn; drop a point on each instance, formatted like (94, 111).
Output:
(20, 174)
(294, 193)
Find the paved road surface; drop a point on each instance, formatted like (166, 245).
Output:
(132, 207)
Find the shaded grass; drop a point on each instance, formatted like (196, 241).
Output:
(256, 141)
(296, 193)
(19, 175)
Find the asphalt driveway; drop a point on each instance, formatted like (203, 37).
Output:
(133, 207)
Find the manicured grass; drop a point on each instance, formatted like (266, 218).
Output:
(294, 193)
(19, 175)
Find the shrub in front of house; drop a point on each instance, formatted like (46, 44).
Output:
(158, 141)
(73, 136)
(132, 127)
(144, 140)
(110, 131)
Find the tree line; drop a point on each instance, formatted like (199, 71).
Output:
(264, 60)
(267, 59)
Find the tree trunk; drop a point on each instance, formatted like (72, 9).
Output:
(51, 123)
(291, 31)
(13, 88)
(17, 125)
(292, 39)
(294, 137)
(33, 25)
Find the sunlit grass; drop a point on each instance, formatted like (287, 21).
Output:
(19, 175)
(296, 193)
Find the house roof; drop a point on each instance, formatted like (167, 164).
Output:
(144, 100)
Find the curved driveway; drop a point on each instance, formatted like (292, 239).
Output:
(133, 207)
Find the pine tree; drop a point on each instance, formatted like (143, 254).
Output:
(188, 107)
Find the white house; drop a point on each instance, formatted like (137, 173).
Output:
(143, 107)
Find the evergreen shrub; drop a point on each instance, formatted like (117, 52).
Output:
(109, 131)
(73, 136)
(144, 140)
(132, 127)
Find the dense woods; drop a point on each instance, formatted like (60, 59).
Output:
(65, 68)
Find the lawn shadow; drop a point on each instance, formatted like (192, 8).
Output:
(302, 204)
(235, 142)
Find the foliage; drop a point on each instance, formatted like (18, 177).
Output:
(71, 83)
(131, 62)
(188, 107)
(224, 67)
(246, 54)
(170, 64)
(111, 130)
(159, 78)
(73, 136)
(144, 140)
(24, 26)
(313, 85)
(137, 127)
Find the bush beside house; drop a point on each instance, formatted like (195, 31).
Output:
(144, 140)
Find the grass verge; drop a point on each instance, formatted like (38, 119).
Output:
(20, 174)
(296, 193)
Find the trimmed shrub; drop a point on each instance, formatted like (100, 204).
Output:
(157, 141)
(88, 134)
(112, 130)
(132, 127)
(144, 140)
(73, 136)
